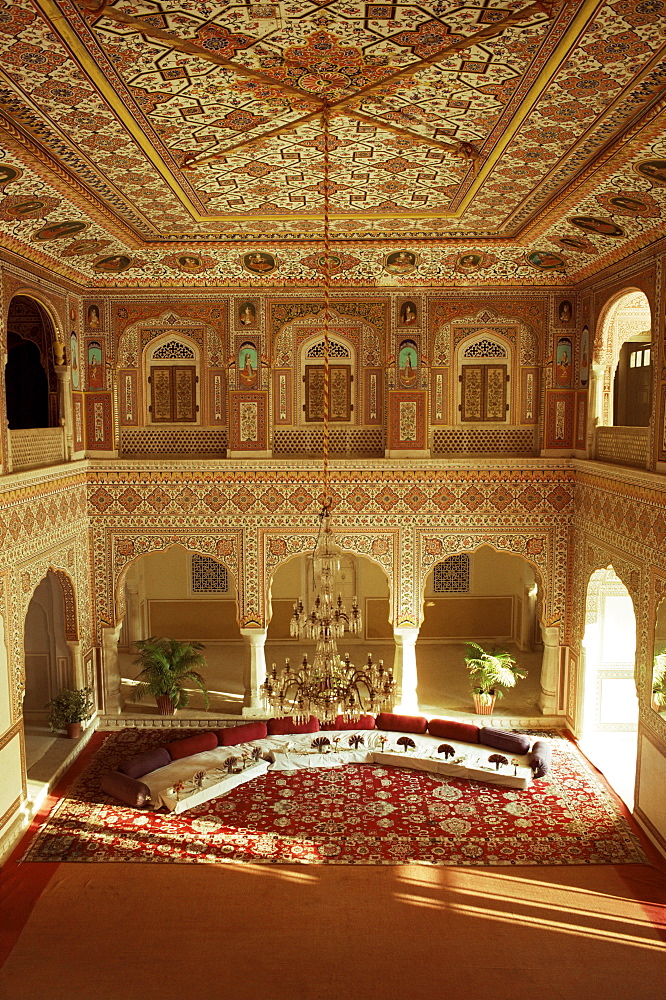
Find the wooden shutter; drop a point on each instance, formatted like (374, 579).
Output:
(173, 394)
(483, 393)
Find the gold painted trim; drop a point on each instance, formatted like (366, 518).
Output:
(13, 731)
(14, 808)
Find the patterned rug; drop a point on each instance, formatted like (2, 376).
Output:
(359, 814)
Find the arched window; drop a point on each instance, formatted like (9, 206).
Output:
(173, 382)
(484, 366)
(341, 378)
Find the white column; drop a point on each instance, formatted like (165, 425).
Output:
(256, 637)
(404, 669)
(78, 679)
(64, 377)
(113, 703)
(550, 669)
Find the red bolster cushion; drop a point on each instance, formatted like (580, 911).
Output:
(402, 723)
(500, 739)
(364, 722)
(126, 789)
(287, 727)
(234, 735)
(192, 744)
(449, 729)
(136, 767)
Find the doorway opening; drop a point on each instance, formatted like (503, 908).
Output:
(608, 730)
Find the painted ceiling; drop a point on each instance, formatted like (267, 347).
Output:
(191, 143)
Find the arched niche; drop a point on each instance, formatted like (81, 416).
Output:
(190, 596)
(487, 596)
(361, 578)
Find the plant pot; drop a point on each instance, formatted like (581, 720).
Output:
(164, 704)
(484, 703)
(73, 730)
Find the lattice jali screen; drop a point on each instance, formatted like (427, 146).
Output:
(335, 350)
(354, 441)
(208, 575)
(484, 441)
(485, 349)
(173, 349)
(173, 441)
(452, 575)
(37, 446)
(623, 445)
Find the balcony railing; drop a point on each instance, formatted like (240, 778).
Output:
(622, 445)
(35, 446)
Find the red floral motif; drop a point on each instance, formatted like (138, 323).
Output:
(277, 547)
(396, 165)
(472, 498)
(581, 85)
(326, 66)
(387, 498)
(433, 546)
(534, 546)
(240, 121)
(220, 40)
(415, 498)
(637, 12)
(61, 92)
(337, 262)
(13, 21)
(301, 499)
(31, 57)
(429, 37)
(617, 47)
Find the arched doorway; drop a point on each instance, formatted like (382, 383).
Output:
(360, 578)
(488, 597)
(622, 380)
(30, 380)
(187, 596)
(608, 704)
(48, 666)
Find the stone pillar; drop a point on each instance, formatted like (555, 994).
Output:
(113, 703)
(78, 678)
(550, 669)
(256, 638)
(404, 669)
(64, 377)
(133, 605)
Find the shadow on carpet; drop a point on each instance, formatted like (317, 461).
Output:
(359, 814)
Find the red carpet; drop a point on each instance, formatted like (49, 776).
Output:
(359, 814)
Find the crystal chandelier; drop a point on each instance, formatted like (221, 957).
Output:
(330, 685)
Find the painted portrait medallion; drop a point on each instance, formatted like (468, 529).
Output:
(408, 313)
(9, 173)
(600, 227)
(259, 262)
(547, 260)
(247, 313)
(654, 170)
(113, 264)
(60, 230)
(400, 262)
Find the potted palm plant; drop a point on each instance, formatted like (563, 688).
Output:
(167, 667)
(659, 682)
(69, 709)
(489, 674)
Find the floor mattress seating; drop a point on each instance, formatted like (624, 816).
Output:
(188, 771)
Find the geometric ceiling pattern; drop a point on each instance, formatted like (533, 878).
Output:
(494, 141)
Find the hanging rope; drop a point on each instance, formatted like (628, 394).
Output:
(325, 119)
